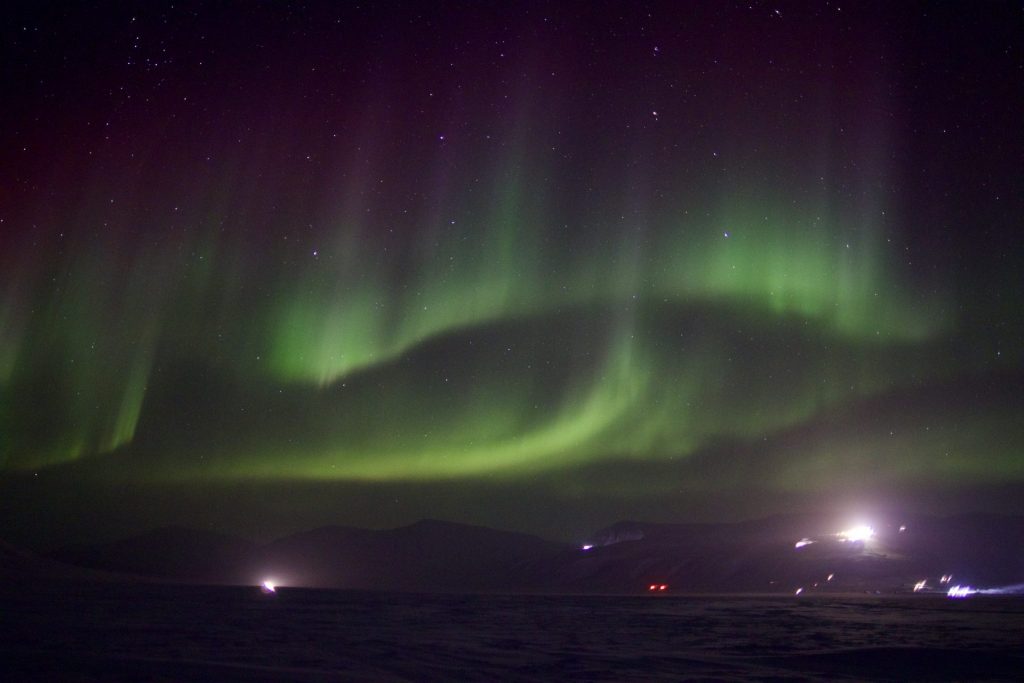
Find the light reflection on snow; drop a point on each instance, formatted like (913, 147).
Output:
(1015, 589)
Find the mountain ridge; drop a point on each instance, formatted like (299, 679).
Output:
(764, 555)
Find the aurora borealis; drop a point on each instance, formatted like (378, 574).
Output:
(365, 264)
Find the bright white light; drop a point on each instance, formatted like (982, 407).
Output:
(857, 533)
(268, 587)
(798, 591)
(959, 591)
(920, 585)
(588, 546)
(802, 542)
(830, 577)
(903, 527)
(946, 578)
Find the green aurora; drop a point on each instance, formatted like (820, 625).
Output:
(662, 270)
(647, 348)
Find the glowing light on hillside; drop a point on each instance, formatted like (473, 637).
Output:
(802, 542)
(856, 534)
(268, 587)
(587, 546)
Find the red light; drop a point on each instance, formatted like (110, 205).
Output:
(662, 587)
(652, 587)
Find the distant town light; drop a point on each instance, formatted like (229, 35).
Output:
(268, 587)
(586, 546)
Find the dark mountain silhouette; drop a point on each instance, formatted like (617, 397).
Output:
(627, 557)
(16, 561)
(18, 564)
(428, 555)
(169, 552)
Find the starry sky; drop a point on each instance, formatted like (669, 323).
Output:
(541, 266)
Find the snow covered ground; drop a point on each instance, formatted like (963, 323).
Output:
(136, 632)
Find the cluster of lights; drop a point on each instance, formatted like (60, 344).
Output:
(863, 533)
(858, 534)
(657, 587)
(952, 590)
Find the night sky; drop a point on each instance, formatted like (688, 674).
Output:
(540, 266)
